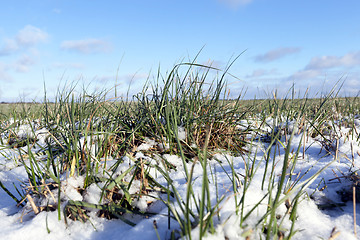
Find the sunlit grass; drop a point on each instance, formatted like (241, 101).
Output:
(96, 137)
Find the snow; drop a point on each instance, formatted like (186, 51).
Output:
(149, 143)
(312, 223)
(181, 133)
(70, 188)
(93, 194)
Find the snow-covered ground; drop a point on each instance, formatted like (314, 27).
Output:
(332, 190)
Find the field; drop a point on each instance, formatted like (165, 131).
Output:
(180, 160)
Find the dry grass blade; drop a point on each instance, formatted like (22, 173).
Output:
(32, 203)
(334, 234)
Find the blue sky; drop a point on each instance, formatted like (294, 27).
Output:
(309, 43)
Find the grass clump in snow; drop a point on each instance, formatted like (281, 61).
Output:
(85, 153)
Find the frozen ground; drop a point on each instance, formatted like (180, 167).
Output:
(331, 190)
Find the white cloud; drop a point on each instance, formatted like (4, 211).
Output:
(351, 86)
(327, 67)
(9, 47)
(321, 81)
(3, 73)
(276, 54)
(319, 75)
(306, 75)
(68, 65)
(105, 79)
(213, 63)
(23, 42)
(353, 82)
(235, 4)
(261, 72)
(25, 38)
(86, 46)
(31, 35)
(24, 63)
(326, 62)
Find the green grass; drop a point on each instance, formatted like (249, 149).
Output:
(186, 99)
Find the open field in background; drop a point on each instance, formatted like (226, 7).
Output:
(183, 161)
(343, 104)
